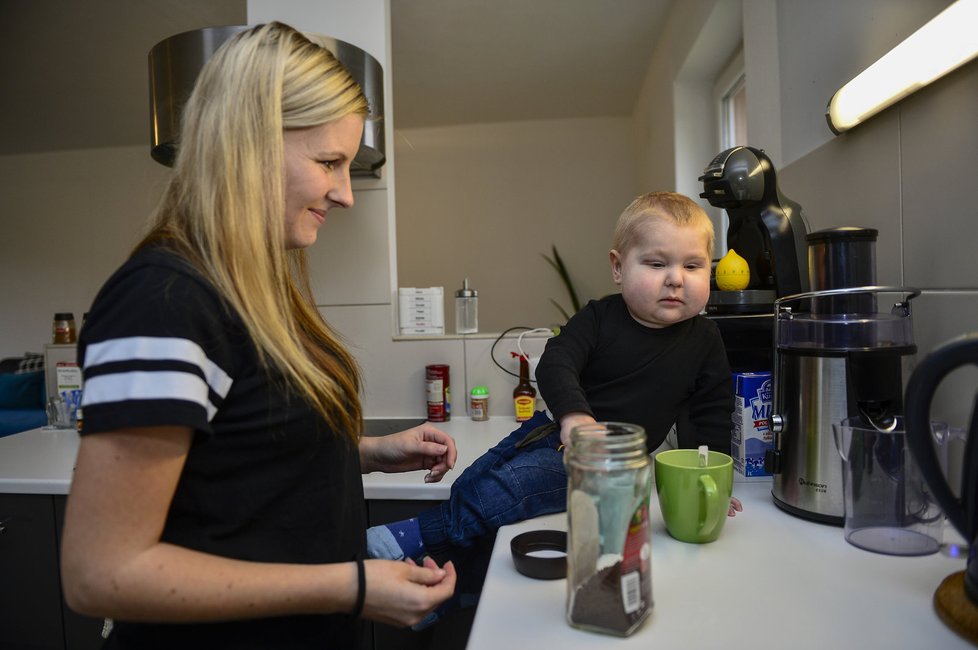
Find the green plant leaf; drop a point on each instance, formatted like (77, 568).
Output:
(558, 265)
(562, 311)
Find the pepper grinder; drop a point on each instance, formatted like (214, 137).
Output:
(466, 309)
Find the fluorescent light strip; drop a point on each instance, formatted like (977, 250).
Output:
(947, 42)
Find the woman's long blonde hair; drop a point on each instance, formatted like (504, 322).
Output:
(224, 206)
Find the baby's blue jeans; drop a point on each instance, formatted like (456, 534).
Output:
(505, 485)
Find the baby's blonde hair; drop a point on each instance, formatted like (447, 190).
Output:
(675, 207)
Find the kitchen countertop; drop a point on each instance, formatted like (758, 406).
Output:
(770, 581)
(41, 461)
(776, 580)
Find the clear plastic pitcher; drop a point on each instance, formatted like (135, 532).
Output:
(888, 505)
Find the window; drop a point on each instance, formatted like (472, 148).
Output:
(733, 115)
(730, 91)
(730, 104)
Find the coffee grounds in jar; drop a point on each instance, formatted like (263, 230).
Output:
(598, 602)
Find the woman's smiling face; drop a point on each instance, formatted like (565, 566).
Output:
(317, 175)
(665, 275)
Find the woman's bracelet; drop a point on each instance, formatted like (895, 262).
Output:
(361, 588)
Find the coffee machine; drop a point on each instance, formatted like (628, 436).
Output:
(768, 230)
(836, 357)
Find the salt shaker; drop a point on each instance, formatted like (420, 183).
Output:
(466, 309)
(609, 544)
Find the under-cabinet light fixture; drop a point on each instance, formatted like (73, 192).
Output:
(947, 42)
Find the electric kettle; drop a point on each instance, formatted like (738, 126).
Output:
(956, 600)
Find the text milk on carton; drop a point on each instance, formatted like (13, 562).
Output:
(751, 436)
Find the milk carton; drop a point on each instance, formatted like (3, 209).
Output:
(751, 436)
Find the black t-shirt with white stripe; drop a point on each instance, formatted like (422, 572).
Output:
(265, 478)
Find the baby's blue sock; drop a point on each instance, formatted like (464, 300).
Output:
(396, 541)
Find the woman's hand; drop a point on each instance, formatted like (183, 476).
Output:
(403, 593)
(114, 564)
(421, 447)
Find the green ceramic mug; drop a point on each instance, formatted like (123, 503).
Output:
(694, 500)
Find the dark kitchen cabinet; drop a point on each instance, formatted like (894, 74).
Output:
(33, 614)
(451, 633)
(81, 632)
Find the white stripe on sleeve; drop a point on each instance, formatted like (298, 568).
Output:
(143, 385)
(158, 348)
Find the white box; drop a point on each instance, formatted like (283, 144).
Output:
(751, 436)
(54, 354)
(69, 376)
(421, 310)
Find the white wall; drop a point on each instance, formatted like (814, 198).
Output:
(67, 220)
(655, 118)
(908, 171)
(822, 45)
(487, 201)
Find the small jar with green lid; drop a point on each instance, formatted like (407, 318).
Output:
(479, 403)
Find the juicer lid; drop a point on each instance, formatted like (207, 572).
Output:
(843, 233)
(844, 332)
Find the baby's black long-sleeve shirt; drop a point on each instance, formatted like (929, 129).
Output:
(607, 364)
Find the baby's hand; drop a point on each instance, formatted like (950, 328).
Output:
(735, 507)
(569, 421)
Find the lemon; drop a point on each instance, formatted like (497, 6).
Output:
(732, 272)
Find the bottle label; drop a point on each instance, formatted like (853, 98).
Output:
(524, 407)
(435, 389)
(636, 566)
(478, 408)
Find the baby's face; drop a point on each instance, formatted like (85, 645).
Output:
(665, 276)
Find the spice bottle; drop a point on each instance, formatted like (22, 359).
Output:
(524, 395)
(466, 309)
(609, 544)
(63, 328)
(438, 392)
(479, 403)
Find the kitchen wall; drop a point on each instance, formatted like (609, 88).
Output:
(907, 172)
(486, 201)
(68, 218)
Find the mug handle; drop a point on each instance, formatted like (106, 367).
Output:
(709, 493)
(920, 391)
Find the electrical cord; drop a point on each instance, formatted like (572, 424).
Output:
(519, 343)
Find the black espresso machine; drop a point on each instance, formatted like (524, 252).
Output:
(768, 230)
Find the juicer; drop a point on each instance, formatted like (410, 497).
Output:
(836, 357)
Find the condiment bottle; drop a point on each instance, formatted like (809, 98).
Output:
(524, 395)
(479, 403)
(609, 544)
(466, 309)
(439, 392)
(63, 328)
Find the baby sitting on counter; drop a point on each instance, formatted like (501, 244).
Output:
(645, 356)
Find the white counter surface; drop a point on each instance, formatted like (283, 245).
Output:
(770, 581)
(41, 461)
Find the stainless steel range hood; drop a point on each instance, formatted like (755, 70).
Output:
(175, 62)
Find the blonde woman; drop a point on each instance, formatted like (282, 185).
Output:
(217, 499)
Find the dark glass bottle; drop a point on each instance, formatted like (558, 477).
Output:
(524, 395)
